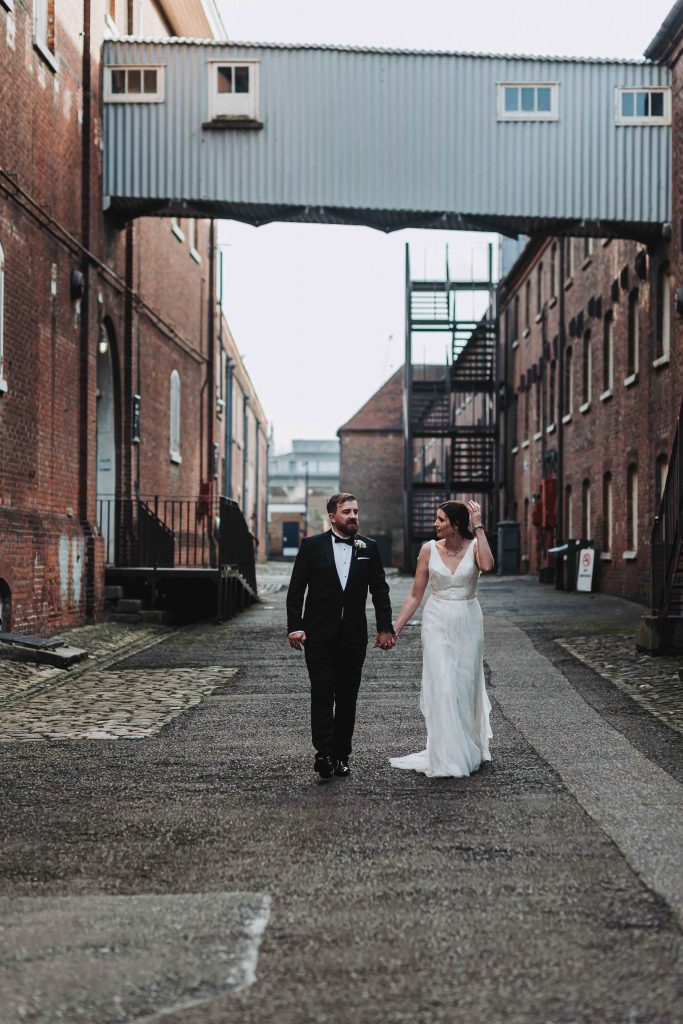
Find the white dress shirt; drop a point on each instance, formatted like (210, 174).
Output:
(342, 558)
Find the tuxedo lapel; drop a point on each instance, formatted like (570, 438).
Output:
(328, 554)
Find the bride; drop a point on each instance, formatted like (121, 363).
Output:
(453, 698)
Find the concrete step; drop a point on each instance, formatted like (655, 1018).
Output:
(124, 617)
(113, 593)
(157, 615)
(130, 605)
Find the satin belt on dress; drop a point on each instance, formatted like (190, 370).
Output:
(449, 595)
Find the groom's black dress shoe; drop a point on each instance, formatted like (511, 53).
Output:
(342, 767)
(324, 766)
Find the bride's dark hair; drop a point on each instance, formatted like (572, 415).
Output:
(458, 516)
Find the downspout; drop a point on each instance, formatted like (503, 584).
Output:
(407, 432)
(229, 372)
(126, 448)
(211, 355)
(84, 370)
(257, 468)
(559, 536)
(245, 452)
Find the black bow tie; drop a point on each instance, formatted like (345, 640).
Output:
(343, 540)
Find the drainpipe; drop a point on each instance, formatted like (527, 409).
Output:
(211, 355)
(257, 430)
(407, 431)
(84, 370)
(245, 452)
(229, 373)
(559, 536)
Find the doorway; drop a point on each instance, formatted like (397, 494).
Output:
(106, 441)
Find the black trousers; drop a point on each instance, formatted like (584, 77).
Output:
(334, 668)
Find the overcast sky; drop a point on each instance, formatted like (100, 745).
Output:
(317, 311)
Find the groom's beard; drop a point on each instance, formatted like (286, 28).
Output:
(348, 529)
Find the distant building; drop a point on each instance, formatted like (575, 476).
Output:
(300, 482)
(372, 466)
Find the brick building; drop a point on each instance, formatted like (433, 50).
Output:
(114, 361)
(372, 466)
(592, 364)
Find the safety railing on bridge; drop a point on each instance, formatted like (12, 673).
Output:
(667, 537)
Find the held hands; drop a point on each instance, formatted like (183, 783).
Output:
(386, 641)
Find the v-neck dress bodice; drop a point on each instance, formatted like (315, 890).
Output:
(453, 696)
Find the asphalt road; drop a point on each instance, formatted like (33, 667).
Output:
(203, 875)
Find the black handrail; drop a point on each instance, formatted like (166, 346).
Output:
(667, 531)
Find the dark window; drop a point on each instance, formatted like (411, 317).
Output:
(586, 374)
(632, 507)
(633, 332)
(567, 396)
(608, 351)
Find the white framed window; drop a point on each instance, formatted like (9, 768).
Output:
(234, 90)
(175, 417)
(134, 84)
(664, 298)
(642, 106)
(192, 239)
(528, 101)
(44, 30)
(177, 229)
(607, 513)
(3, 382)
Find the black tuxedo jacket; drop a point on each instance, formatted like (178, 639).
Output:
(316, 570)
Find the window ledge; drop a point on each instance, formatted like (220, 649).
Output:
(587, 262)
(567, 418)
(232, 123)
(176, 457)
(7, 4)
(3, 385)
(525, 442)
(630, 556)
(631, 380)
(538, 435)
(47, 55)
(178, 232)
(606, 242)
(195, 254)
(526, 332)
(568, 283)
(538, 317)
(552, 302)
(550, 429)
(514, 449)
(514, 345)
(660, 361)
(605, 556)
(606, 395)
(586, 407)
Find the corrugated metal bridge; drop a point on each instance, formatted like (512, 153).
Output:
(389, 139)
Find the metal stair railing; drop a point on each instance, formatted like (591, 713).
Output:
(667, 531)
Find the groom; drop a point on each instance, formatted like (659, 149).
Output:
(338, 567)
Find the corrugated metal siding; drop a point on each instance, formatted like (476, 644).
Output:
(402, 133)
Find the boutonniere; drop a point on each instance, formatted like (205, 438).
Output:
(358, 545)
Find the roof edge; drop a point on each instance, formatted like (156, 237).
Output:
(666, 39)
(389, 51)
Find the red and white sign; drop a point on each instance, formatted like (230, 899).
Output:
(584, 580)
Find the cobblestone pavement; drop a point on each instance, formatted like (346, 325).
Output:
(654, 683)
(105, 643)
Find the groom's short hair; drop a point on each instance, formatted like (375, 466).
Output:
(336, 500)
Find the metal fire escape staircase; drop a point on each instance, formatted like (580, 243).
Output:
(446, 458)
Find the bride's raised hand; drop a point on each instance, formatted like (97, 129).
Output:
(474, 509)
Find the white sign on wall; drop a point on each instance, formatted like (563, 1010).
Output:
(584, 580)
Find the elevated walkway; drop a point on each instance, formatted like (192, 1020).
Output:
(388, 139)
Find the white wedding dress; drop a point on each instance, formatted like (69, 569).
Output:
(453, 698)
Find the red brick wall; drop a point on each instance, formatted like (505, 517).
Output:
(372, 469)
(47, 429)
(635, 424)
